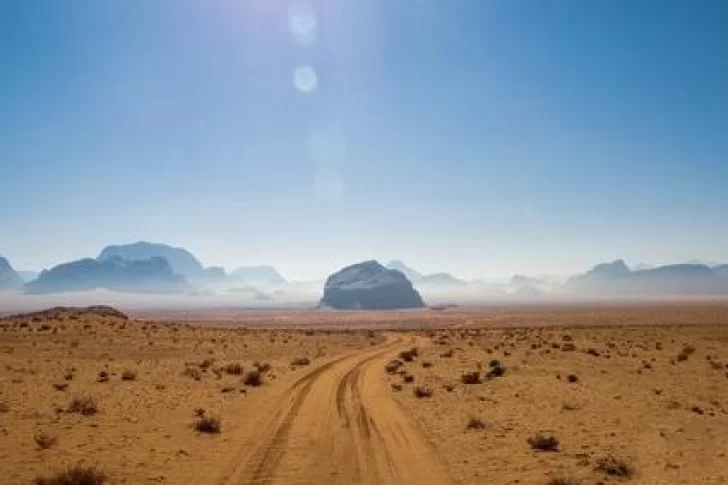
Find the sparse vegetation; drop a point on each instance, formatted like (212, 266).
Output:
(128, 375)
(614, 466)
(208, 425)
(564, 481)
(301, 361)
(543, 442)
(475, 423)
(253, 378)
(422, 392)
(77, 475)
(84, 405)
(472, 377)
(44, 440)
(233, 369)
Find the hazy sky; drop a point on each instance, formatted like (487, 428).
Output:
(480, 137)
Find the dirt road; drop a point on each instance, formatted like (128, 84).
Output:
(337, 424)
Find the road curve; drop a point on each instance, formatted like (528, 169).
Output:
(338, 424)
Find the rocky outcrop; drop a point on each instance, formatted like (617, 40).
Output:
(140, 276)
(9, 278)
(369, 286)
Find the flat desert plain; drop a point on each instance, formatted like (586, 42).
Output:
(551, 395)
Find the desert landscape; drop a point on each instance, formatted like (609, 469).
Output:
(553, 395)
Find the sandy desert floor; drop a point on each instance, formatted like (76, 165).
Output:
(513, 395)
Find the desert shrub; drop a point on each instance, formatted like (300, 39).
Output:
(613, 466)
(447, 354)
(544, 443)
(85, 406)
(408, 378)
(206, 364)
(253, 378)
(60, 386)
(128, 375)
(568, 348)
(396, 387)
(407, 356)
(208, 424)
(262, 367)
(301, 361)
(199, 412)
(44, 440)
(572, 378)
(234, 369)
(4, 408)
(475, 423)
(77, 475)
(192, 372)
(392, 366)
(414, 352)
(564, 481)
(422, 391)
(103, 376)
(496, 371)
(426, 364)
(472, 377)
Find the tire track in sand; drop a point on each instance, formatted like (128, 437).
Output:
(339, 424)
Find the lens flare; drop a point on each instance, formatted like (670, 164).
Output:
(305, 79)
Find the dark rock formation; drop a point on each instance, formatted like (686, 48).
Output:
(369, 286)
(141, 276)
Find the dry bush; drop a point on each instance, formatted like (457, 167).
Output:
(615, 467)
(470, 377)
(60, 386)
(4, 408)
(77, 475)
(301, 361)
(262, 367)
(447, 354)
(422, 391)
(392, 366)
(544, 443)
(253, 378)
(475, 423)
(128, 375)
(192, 372)
(564, 481)
(44, 440)
(407, 355)
(408, 378)
(496, 370)
(103, 376)
(208, 424)
(233, 369)
(85, 406)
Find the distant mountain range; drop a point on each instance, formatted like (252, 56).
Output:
(436, 281)
(180, 260)
(261, 275)
(145, 267)
(153, 275)
(9, 278)
(616, 279)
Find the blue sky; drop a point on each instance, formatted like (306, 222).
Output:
(475, 136)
